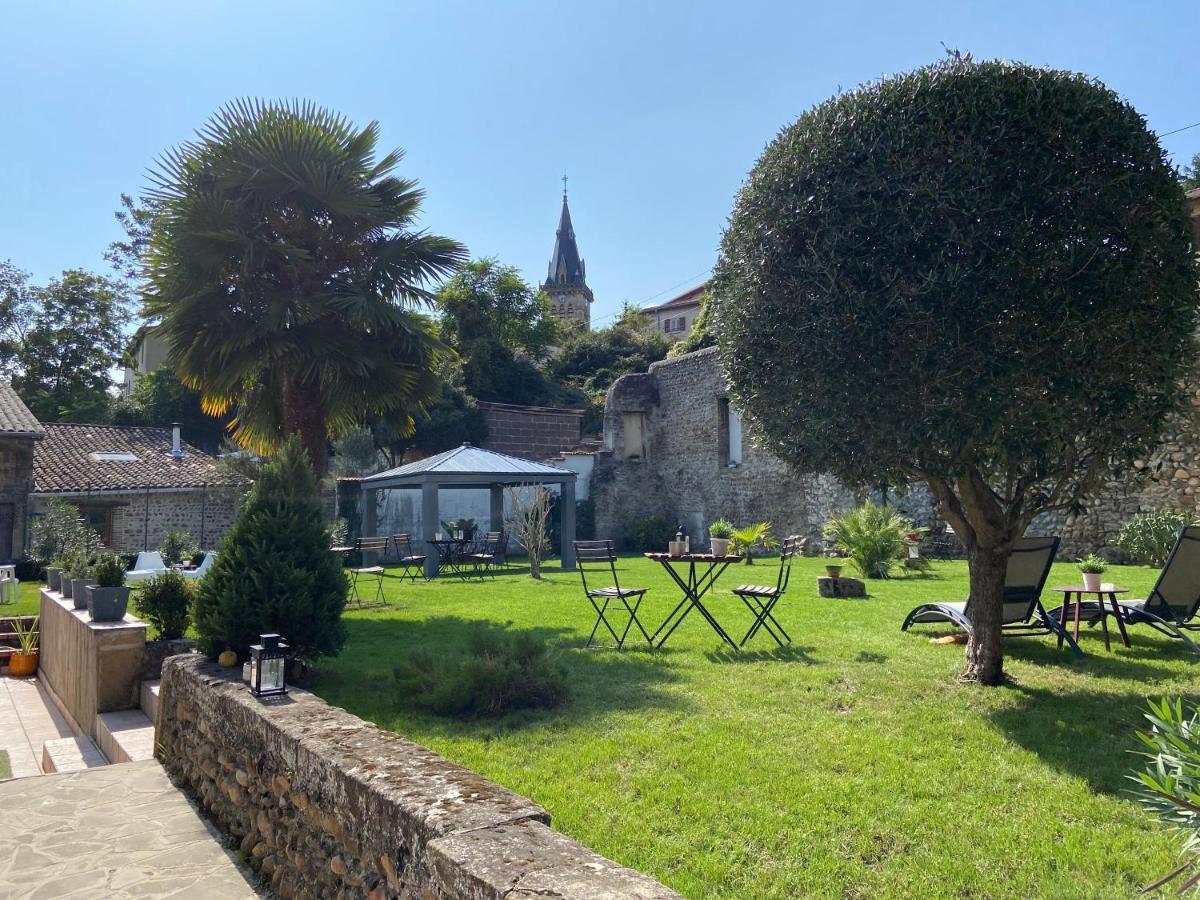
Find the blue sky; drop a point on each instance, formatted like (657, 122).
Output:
(656, 110)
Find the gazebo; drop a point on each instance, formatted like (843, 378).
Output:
(470, 467)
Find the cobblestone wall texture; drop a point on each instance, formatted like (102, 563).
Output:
(683, 479)
(531, 432)
(326, 805)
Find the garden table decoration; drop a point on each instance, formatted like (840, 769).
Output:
(701, 571)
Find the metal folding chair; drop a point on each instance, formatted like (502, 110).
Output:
(365, 546)
(760, 599)
(487, 556)
(597, 556)
(411, 564)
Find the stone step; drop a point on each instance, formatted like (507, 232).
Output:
(126, 735)
(148, 699)
(71, 754)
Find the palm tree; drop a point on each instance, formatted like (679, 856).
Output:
(284, 268)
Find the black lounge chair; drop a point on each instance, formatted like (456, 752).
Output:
(760, 599)
(1028, 568)
(1172, 604)
(599, 556)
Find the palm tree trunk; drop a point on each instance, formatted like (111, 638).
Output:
(304, 414)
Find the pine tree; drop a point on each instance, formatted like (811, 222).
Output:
(274, 571)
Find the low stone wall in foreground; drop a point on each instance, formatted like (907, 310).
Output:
(327, 805)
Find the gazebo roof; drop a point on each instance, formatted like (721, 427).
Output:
(469, 465)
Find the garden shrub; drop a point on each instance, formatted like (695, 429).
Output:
(498, 672)
(647, 534)
(60, 530)
(1170, 783)
(177, 545)
(744, 541)
(165, 601)
(873, 537)
(1147, 538)
(274, 571)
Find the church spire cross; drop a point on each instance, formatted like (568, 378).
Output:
(564, 181)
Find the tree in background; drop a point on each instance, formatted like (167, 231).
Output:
(355, 453)
(282, 263)
(274, 571)
(975, 275)
(501, 327)
(160, 398)
(59, 341)
(1191, 175)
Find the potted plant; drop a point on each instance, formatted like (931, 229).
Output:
(108, 598)
(79, 573)
(720, 532)
(24, 662)
(833, 569)
(54, 574)
(1092, 567)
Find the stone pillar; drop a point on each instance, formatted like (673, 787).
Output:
(568, 524)
(369, 524)
(430, 517)
(497, 507)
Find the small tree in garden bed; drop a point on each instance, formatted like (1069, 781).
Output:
(60, 530)
(529, 519)
(975, 275)
(177, 546)
(165, 601)
(274, 571)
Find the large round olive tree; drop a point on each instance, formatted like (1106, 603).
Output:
(975, 275)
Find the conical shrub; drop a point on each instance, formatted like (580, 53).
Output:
(274, 571)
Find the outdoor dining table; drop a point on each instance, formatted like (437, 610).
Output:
(450, 552)
(701, 571)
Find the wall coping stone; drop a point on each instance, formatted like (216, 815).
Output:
(406, 820)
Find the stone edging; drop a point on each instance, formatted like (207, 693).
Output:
(328, 805)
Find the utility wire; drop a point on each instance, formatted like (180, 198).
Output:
(1177, 130)
(642, 303)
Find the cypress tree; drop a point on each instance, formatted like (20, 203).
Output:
(274, 571)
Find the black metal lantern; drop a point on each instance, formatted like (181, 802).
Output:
(268, 661)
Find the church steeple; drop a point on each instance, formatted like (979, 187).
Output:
(566, 276)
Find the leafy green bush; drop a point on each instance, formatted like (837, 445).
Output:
(59, 531)
(647, 534)
(274, 571)
(873, 537)
(722, 529)
(165, 601)
(177, 545)
(1170, 784)
(498, 672)
(109, 571)
(1148, 538)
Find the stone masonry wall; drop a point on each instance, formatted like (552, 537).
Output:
(327, 805)
(139, 520)
(16, 480)
(531, 432)
(683, 477)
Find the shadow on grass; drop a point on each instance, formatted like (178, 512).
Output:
(790, 653)
(601, 681)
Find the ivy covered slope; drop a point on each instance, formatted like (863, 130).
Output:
(977, 275)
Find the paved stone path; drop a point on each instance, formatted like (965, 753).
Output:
(115, 832)
(28, 718)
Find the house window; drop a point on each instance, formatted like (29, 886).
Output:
(635, 439)
(729, 433)
(99, 518)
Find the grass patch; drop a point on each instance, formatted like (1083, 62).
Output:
(850, 764)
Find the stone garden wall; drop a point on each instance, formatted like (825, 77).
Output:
(327, 805)
(531, 432)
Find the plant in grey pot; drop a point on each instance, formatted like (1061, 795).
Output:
(54, 574)
(108, 598)
(79, 570)
(720, 532)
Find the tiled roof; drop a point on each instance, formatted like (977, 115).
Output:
(72, 458)
(15, 417)
(687, 298)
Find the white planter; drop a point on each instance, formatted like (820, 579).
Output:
(720, 546)
(1091, 581)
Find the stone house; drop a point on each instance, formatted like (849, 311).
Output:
(675, 318)
(133, 483)
(20, 432)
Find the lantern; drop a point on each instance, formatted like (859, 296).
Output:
(268, 660)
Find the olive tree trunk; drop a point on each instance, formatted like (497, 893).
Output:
(985, 651)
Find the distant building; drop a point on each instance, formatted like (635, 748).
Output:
(566, 279)
(20, 432)
(675, 318)
(147, 353)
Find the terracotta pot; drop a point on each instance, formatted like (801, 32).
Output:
(833, 571)
(22, 665)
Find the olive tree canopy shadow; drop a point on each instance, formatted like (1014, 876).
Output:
(601, 681)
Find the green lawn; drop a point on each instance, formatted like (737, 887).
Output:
(852, 764)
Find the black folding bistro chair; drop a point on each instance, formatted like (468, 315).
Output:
(488, 554)
(1023, 613)
(367, 546)
(1171, 606)
(760, 599)
(411, 564)
(598, 556)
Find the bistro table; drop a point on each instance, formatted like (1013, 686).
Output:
(450, 553)
(1106, 593)
(702, 571)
